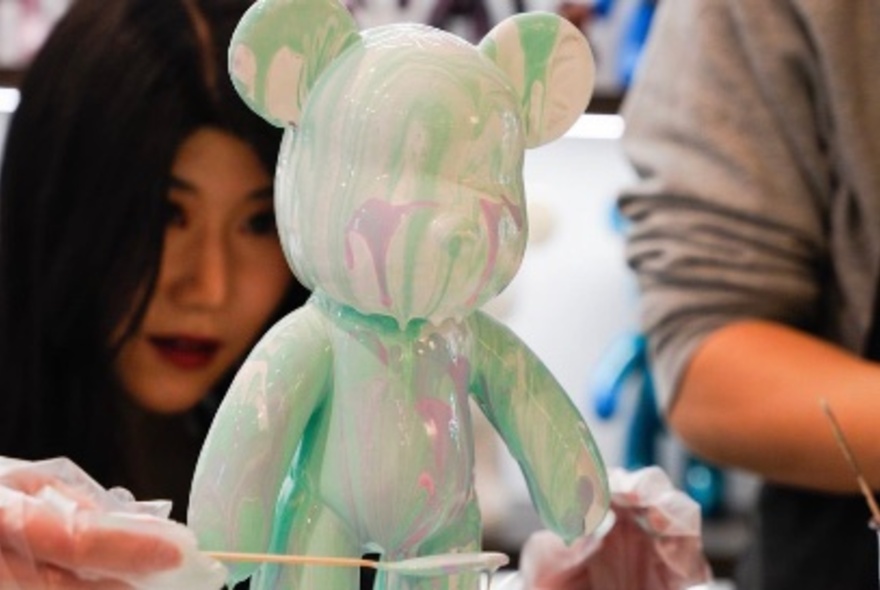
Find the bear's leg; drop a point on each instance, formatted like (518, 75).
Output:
(309, 529)
(461, 535)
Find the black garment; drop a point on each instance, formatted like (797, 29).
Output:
(810, 541)
(806, 540)
(159, 452)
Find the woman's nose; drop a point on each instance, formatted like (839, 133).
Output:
(203, 279)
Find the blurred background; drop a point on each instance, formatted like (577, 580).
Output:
(574, 301)
(615, 29)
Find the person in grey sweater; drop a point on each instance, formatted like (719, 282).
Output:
(754, 231)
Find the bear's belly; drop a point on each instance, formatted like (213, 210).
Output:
(397, 471)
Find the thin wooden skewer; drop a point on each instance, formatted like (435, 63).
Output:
(292, 559)
(851, 459)
(428, 566)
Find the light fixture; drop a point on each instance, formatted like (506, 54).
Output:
(8, 100)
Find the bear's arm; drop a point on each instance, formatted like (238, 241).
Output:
(255, 434)
(542, 428)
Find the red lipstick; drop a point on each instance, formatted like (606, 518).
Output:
(186, 352)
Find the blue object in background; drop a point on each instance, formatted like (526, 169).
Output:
(633, 40)
(625, 362)
(624, 365)
(633, 36)
(705, 484)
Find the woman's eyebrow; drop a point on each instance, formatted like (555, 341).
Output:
(265, 192)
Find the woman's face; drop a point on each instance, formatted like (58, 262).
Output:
(221, 277)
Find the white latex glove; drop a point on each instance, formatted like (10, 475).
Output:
(59, 529)
(650, 541)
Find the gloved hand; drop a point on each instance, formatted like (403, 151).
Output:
(59, 529)
(650, 541)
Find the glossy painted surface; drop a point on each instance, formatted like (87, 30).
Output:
(400, 202)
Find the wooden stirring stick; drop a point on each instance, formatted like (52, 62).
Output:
(292, 559)
(425, 566)
(851, 459)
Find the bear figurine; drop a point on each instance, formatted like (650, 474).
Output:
(400, 204)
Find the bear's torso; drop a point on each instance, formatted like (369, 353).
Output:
(392, 447)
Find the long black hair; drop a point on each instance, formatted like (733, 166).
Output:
(104, 106)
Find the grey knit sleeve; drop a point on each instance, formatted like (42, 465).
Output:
(726, 221)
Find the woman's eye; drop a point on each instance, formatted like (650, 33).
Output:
(262, 223)
(174, 214)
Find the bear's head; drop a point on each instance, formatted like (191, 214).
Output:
(399, 187)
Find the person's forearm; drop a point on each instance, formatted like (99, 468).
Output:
(750, 398)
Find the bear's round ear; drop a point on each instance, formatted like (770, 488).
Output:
(279, 49)
(550, 65)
